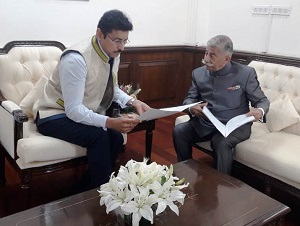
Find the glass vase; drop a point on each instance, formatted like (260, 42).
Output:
(128, 221)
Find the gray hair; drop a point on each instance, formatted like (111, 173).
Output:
(223, 43)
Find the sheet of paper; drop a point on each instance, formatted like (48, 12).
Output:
(219, 125)
(153, 113)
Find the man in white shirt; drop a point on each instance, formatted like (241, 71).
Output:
(81, 89)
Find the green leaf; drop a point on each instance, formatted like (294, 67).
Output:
(163, 180)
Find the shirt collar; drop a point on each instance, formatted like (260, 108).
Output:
(99, 49)
(223, 71)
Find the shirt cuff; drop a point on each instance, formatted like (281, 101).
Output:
(262, 117)
(100, 120)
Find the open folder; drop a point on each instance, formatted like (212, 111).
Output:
(153, 113)
(231, 125)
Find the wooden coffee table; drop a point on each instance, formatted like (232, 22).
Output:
(212, 199)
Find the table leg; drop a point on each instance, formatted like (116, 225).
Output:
(2, 166)
(149, 126)
(149, 136)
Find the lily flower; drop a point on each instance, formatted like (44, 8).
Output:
(140, 187)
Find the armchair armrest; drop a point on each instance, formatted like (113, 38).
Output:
(10, 106)
(11, 124)
(15, 110)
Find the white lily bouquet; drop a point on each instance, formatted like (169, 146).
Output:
(139, 188)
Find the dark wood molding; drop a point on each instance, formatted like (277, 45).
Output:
(13, 44)
(289, 61)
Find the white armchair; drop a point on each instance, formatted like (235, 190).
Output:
(23, 66)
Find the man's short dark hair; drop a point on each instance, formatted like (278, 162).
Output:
(114, 20)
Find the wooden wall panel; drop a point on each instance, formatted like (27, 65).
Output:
(124, 76)
(158, 79)
(155, 70)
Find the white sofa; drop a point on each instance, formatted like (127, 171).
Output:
(24, 65)
(273, 150)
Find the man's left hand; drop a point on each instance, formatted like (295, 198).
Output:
(140, 106)
(256, 112)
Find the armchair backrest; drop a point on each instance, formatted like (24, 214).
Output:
(23, 63)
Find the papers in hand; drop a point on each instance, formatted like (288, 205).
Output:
(153, 113)
(231, 125)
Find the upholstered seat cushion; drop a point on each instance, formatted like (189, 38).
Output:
(42, 149)
(275, 154)
(38, 150)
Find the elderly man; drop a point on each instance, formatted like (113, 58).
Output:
(226, 88)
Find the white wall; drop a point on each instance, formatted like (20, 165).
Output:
(156, 22)
(258, 33)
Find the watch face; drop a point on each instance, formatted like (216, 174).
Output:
(131, 102)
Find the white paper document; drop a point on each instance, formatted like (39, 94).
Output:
(231, 125)
(153, 113)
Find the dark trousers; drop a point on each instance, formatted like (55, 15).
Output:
(102, 146)
(185, 135)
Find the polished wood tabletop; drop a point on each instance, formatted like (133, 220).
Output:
(212, 199)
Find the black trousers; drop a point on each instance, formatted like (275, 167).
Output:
(185, 135)
(102, 146)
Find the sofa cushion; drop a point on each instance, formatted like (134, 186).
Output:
(282, 114)
(181, 119)
(275, 154)
(24, 165)
(30, 99)
(44, 148)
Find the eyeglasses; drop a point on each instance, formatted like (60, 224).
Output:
(118, 41)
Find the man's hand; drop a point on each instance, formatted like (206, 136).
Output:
(123, 124)
(256, 112)
(140, 106)
(197, 110)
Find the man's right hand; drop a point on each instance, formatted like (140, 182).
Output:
(196, 110)
(123, 124)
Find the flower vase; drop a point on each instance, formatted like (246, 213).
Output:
(128, 221)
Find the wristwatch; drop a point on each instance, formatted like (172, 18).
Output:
(130, 102)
